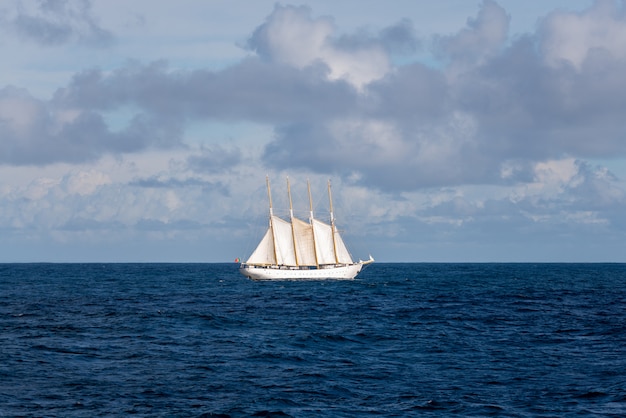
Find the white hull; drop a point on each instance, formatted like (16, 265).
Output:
(340, 272)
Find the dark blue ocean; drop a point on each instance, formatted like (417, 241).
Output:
(199, 340)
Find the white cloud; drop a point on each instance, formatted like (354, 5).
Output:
(572, 36)
(86, 182)
(484, 37)
(291, 36)
(40, 188)
(556, 172)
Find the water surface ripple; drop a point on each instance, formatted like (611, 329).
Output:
(199, 340)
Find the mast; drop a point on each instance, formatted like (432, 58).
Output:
(332, 223)
(308, 185)
(293, 228)
(269, 196)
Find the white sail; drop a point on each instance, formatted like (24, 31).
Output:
(310, 252)
(283, 241)
(343, 256)
(305, 246)
(324, 243)
(264, 253)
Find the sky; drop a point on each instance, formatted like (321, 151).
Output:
(452, 131)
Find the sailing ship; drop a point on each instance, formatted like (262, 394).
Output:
(298, 250)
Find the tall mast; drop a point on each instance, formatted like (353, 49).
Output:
(332, 223)
(269, 196)
(308, 185)
(293, 228)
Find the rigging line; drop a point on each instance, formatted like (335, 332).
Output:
(293, 230)
(332, 223)
(311, 218)
(269, 196)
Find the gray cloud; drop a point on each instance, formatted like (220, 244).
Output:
(252, 90)
(77, 224)
(303, 145)
(483, 38)
(261, 40)
(401, 38)
(493, 104)
(592, 196)
(37, 132)
(490, 106)
(413, 95)
(57, 22)
(156, 182)
(215, 160)
(526, 109)
(156, 225)
(164, 101)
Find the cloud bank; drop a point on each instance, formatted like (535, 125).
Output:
(531, 114)
(490, 103)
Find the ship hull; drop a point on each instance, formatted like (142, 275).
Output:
(339, 272)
